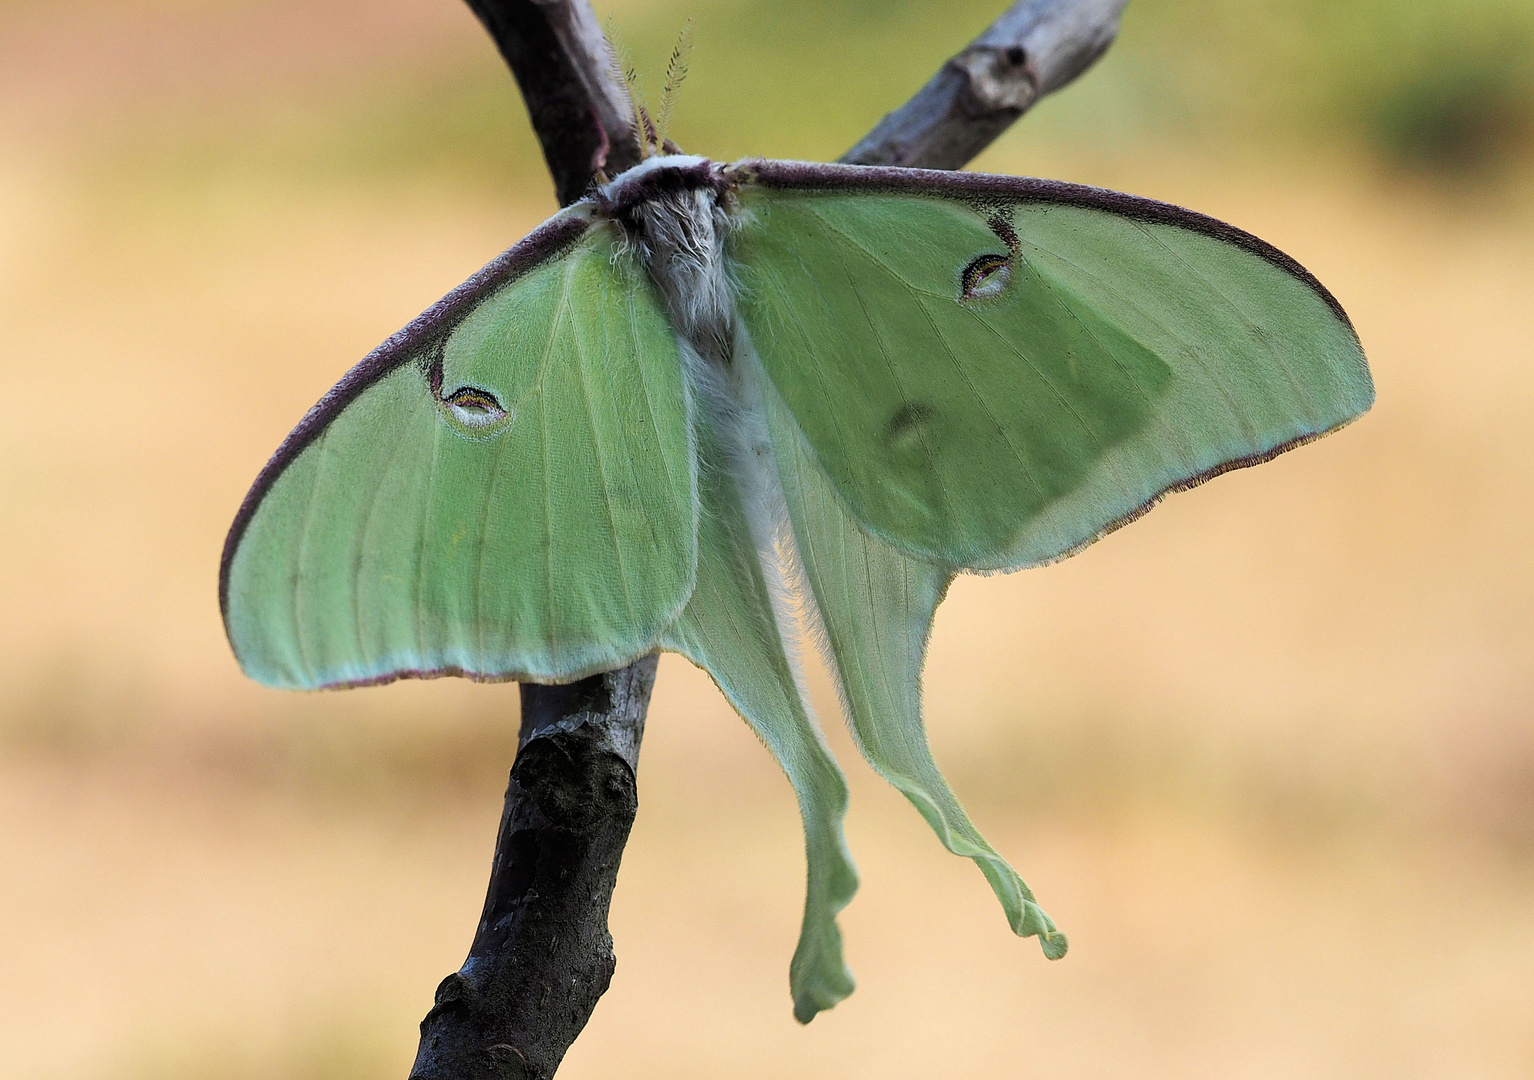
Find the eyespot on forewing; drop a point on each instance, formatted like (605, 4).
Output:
(470, 411)
(985, 277)
(474, 413)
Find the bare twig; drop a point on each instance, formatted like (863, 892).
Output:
(1035, 48)
(581, 115)
(542, 954)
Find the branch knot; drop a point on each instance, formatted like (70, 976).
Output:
(997, 78)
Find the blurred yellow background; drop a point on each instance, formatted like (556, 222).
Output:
(1267, 755)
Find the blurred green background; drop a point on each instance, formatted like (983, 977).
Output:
(194, 89)
(1267, 756)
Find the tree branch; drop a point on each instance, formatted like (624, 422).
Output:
(582, 117)
(1033, 49)
(542, 955)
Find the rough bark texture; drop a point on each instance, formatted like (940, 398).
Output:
(542, 954)
(1033, 49)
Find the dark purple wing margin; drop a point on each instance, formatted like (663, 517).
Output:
(815, 176)
(433, 325)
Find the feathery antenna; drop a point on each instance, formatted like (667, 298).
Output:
(676, 71)
(624, 75)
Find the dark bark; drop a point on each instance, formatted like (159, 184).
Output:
(582, 117)
(542, 955)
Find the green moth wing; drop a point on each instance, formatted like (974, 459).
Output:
(505, 490)
(981, 372)
(994, 371)
(730, 629)
(876, 605)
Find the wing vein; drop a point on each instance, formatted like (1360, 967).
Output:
(367, 525)
(953, 357)
(1257, 331)
(990, 416)
(884, 353)
(601, 456)
(420, 558)
(1211, 375)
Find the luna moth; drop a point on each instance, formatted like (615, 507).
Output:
(712, 405)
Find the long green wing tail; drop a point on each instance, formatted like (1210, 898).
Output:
(730, 630)
(876, 605)
(984, 372)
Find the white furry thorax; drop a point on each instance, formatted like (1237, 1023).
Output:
(677, 212)
(673, 210)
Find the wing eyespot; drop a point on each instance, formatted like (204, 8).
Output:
(475, 408)
(985, 277)
(474, 413)
(470, 411)
(910, 426)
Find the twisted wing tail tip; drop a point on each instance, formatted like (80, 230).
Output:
(1035, 923)
(810, 1001)
(1054, 943)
